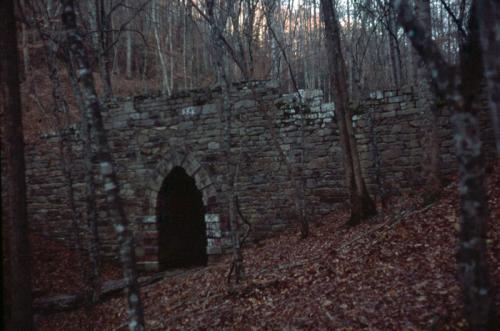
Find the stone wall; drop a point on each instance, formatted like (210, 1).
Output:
(391, 129)
(151, 135)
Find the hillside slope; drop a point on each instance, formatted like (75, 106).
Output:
(397, 272)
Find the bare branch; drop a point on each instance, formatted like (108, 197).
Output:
(458, 22)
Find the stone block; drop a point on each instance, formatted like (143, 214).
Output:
(209, 109)
(388, 114)
(213, 145)
(214, 250)
(396, 99)
(411, 110)
(389, 154)
(397, 128)
(149, 219)
(148, 265)
(247, 103)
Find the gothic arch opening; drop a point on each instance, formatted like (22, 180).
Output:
(180, 214)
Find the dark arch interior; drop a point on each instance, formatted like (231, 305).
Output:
(181, 224)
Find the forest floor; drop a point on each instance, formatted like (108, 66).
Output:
(395, 272)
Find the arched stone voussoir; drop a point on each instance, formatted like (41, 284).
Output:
(193, 168)
(209, 194)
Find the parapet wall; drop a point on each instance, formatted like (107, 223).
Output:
(150, 135)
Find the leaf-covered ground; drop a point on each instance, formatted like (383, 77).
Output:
(397, 272)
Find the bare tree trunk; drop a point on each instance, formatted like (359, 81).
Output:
(225, 115)
(216, 26)
(431, 165)
(61, 114)
(24, 42)
(184, 43)
(460, 88)
(143, 69)
(489, 20)
(163, 65)
(394, 48)
(106, 167)
(90, 187)
(13, 151)
(96, 8)
(129, 56)
(272, 12)
(104, 25)
(171, 51)
(362, 206)
(144, 73)
(190, 43)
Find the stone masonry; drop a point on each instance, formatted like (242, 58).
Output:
(151, 135)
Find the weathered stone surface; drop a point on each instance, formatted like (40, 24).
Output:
(152, 135)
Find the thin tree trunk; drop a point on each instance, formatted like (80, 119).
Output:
(272, 17)
(362, 206)
(297, 178)
(431, 165)
(171, 51)
(106, 167)
(13, 150)
(104, 26)
(163, 65)
(90, 187)
(184, 44)
(190, 44)
(394, 49)
(24, 42)
(129, 56)
(97, 33)
(237, 267)
(145, 71)
(62, 109)
(225, 115)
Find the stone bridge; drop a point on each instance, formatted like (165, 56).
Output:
(151, 136)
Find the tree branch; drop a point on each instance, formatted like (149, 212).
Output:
(457, 21)
(442, 74)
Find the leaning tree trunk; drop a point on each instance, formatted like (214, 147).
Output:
(13, 151)
(460, 89)
(107, 171)
(362, 206)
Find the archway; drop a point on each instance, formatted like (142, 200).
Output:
(180, 214)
